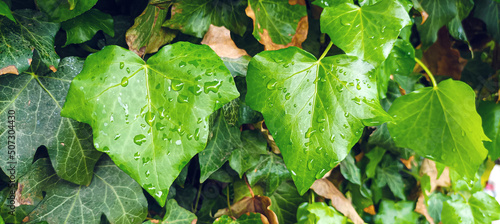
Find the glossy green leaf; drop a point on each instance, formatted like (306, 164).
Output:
(375, 156)
(314, 109)
(17, 41)
(83, 27)
(330, 3)
(368, 32)
(349, 170)
(176, 214)
(434, 205)
(400, 213)
(455, 27)
(194, 17)
(276, 19)
(441, 123)
(285, 202)
(62, 10)
(224, 139)
(252, 218)
(270, 171)
(388, 174)
(317, 213)
(237, 66)
(151, 118)
(489, 11)
(490, 114)
(440, 12)
(480, 208)
(111, 193)
(5, 11)
(147, 34)
(253, 146)
(36, 97)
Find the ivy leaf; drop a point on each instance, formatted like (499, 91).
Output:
(480, 208)
(400, 212)
(349, 170)
(388, 174)
(59, 11)
(83, 27)
(176, 214)
(363, 34)
(225, 139)
(375, 156)
(285, 202)
(18, 41)
(251, 218)
(488, 11)
(253, 146)
(146, 35)
(314, 109)
(237, 66)
(318, 212)
(111, 193)
(441, 123)
(490, 114)
(270, 170)
(278, 24)
(441, 12)
(151, 118)
(5, 11)
(36, 97)
(455, 28)
(330, 3)
(194, 17)
(435, 205)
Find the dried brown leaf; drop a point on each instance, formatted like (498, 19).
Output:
(11, 69)
(270, 140)
(370, 210)
(422, 209)
(256, 204)
(429, 167)
(219, 39)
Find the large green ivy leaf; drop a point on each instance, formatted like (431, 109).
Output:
(441, 123)
(111, 193)
(314, 109)
(400, 213)
(224, 139)
(480, 208)
(440, 13)
(151, 118)
(83, 27)
(37, 97)
(17, 41)
(5, 11)
(270, 171)
(489, 12)
(317, 213)
(285, 201)
(253, 146)
(194, 17)
(368, 32)
(276, 19)
(176, 214)
(490, 114)
(62, 10)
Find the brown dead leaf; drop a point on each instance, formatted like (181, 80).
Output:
(429, 167)
(297, 39)
(424, 16)
(359, 156)
(11, 69)
(270, 140)
(219, 39)
(370, 210)
(407, 162)
(422, 209)
(326, 189)
(255, 204)
(442, 59)
(53, 68)
(295, 2)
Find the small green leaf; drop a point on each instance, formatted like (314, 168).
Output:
(253, 146)
(375, 156)
(151, 118)
(349, 170)
(441, 123)
(455, 28)
(480, 208)
(252, 218)
(315, 109)
(488, 11)
(317, 213)
(176, 214)
(285, 202)
(5, 11)
(440, 12)
(368, 32)
(490, 114)
(61, 10)
(194, 17)
(270, 170)
(388, 174)
(435, 205)
(400, 213)
(83, 27)
(237, 66)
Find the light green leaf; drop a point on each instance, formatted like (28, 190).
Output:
(441, 123)
(62, 10)
(18, 40)
(489, 12)
(285, 202)
(5, 11)
(36, 97)
(400, 213)
(224, 139)
(375, 156)
(151, 118)
(237, 66)
(349, 170)
(194, 17)
(252, 218)
(314, 109)
(317, 213)
(111, 193)
(83, 27)
(146, 35)
(270, 171)
(248, 156)
(490, 114)
(330, 3)
(176, 214)
(368, 32)
(276, 20)
(388, 174)
(480, 208)
(435, 205)
(440, 12)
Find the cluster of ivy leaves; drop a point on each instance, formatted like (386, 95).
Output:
(249, 111)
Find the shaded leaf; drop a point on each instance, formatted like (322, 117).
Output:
(83, 27)
(270, 170)
(176, 214)
(375, 156)
(249, 155)
(285, 202)
(5, 11)
(237, 66)
(219, 39)
(319, 212)
(401, 212)
(251, 218)
(61, 10)
(349, 170)
(480, 208)
(151, 118)
(256, 204)
(455, 27)
(388, 174)
(489, 11)
(490, 115)
(440, 12)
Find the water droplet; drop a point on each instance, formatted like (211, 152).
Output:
(318, 150)
(320, 174)
(160, 126)
(272, 84)
(332, 138)
(346, 114)
(358, 86)
(309, 132)
(287, 96)
(117, 136)
(182, 98)
(320, 119)
(124, 81)
(345, 21)
(137, 155)
(178, 142)
(150, 118)
(128, 70)
(310, 164)
(293, 173)
(196, 89)
(294, 105)
(159, 194)
(145, 161)
(139, 139)
(199, 120)
(342, 136)
(197, 134)
(105, 149)
(177, 85)
(212, 86)
(182, 64)
(270, 104)
(122, 65)
(307, 144)
(147, 173)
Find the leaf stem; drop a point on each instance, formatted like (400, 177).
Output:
(88, 48)
(197, 198)
(326, 50)
(427, 71)
(248, 185)
(312, 197)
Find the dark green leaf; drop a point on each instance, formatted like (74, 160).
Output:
(480, 208)
(285, 202)
(489, 12)
(388, 174)
(368, 32)
(176, 214)
(440, 12)
(490, 114)
(270, 170)
(151, 118)
(375, 156)
(349, 170)
(248, 156)
(83, 27)
(5, 11)
(317, 213)
(441, 123)
(252, 218)
(435, 205)
(314, 109)
(237, 66)
(455, 25)
(62, 10)
(400, 213)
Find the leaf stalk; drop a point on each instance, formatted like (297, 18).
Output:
(326, 50)
(427, 71)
